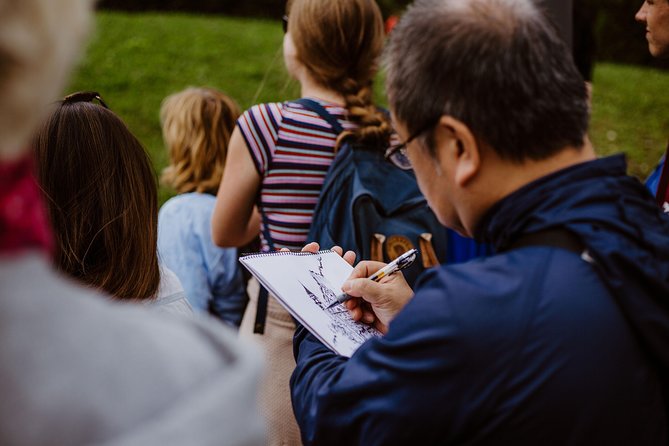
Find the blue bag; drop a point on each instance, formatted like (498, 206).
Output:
(370, 206)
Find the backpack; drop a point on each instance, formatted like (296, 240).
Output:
(372, 207)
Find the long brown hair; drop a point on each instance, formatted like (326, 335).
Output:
(197, 124)
(340, 42)
(102, 199)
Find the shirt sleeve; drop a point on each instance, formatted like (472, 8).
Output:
(229, 298)
(259, 126)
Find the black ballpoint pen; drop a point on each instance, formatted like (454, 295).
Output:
(398, 264)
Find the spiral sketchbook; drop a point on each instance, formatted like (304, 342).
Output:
(305, 284)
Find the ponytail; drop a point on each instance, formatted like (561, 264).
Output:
(373, 126)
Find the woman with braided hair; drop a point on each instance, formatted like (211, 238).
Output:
(278, 157)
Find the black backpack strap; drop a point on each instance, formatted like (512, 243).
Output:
(261, 310)
(263, 294)
(555, 237)
(317, 108)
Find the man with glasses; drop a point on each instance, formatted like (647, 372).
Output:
(560, 338)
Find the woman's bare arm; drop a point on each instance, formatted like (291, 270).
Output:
(235, 220)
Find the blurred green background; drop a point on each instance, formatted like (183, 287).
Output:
(135, 60)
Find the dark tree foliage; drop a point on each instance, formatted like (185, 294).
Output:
(619, 38)
(254, 8)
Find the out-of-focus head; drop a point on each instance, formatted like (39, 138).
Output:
(654, 14)
(101, 196)
(197, 124)
(39, 42)
(339, 44)
(496, 65)
(486, 78)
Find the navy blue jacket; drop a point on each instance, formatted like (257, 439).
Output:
(531, 346)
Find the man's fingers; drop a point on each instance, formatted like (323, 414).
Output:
(311, 247)
(356, 313)
(365, 269)
(363, 287)
(368, 318)
(349, 256)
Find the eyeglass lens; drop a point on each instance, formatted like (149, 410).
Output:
(398, 156)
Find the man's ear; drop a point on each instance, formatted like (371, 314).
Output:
(457, 149)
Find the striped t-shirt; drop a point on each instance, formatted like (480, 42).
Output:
(292, 149)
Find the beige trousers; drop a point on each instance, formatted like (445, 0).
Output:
(277, 346)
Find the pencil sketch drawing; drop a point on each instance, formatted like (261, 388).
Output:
(341, 323)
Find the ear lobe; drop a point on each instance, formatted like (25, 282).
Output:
(467, 157)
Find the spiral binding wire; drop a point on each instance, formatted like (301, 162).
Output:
(275, 253)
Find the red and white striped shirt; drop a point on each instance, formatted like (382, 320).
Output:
(292, 149)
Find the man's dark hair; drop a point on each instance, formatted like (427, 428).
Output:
(498, 66)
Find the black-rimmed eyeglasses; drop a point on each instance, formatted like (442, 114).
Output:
(397, 154)
(84, 96)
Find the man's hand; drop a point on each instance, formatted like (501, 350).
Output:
(349, 256)
(376, 303)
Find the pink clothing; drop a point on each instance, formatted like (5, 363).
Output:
(23, 221)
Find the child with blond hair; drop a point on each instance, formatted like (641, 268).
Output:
(196, 124)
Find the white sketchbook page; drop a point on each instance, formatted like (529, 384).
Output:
(305, 284)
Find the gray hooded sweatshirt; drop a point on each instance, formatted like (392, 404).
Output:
(76, 368)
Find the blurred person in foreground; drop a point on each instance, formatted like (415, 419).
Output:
(101, 197)
(654, 14)
(75, 367)
(562, 337)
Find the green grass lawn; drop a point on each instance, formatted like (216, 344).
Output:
(135, 60)
(631, 114)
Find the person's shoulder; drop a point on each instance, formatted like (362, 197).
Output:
(259, 121)
(477, 276)
(171, 295)
(63, 337)
(31, 284)
(297, 108)
(471, 287)
(189, 200)
(189, 206)
(258, 111)
(506, 283)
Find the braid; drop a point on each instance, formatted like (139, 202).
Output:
(373, 126)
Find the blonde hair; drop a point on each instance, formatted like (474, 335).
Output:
(197, 124)
(340, 42)
(39, 42)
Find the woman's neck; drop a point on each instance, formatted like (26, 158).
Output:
(311, 89)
